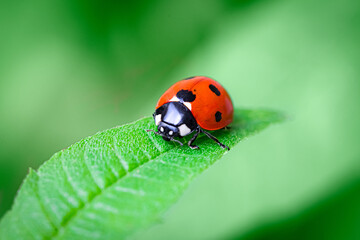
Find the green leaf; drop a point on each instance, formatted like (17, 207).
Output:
(115, 182)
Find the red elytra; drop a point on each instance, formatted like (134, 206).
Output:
(212, 107)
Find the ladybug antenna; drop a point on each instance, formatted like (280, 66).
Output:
(150, 130)
(155, 132)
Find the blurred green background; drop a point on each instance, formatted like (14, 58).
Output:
(70, 68)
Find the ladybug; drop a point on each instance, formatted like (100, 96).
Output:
(194, 104)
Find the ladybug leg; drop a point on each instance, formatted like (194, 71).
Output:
(216, 140)
(174, 140)
(190, 143)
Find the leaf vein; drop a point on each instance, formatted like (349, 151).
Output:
(122, 161)
(71, 217)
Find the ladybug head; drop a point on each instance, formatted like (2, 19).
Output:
(167, 131)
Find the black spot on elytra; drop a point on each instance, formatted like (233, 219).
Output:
(214, 89)
(189, 78)
(185, 96)
(217, 116)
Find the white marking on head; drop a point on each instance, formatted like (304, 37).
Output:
(188, 105)
(174, 99)
(171, 133)
(157, 119)
(161, 129)
(184, 130)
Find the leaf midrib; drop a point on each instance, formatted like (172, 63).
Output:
(76, 211)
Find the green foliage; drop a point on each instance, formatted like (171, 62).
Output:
(69, 68)
(319, 221)
(119, 180)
